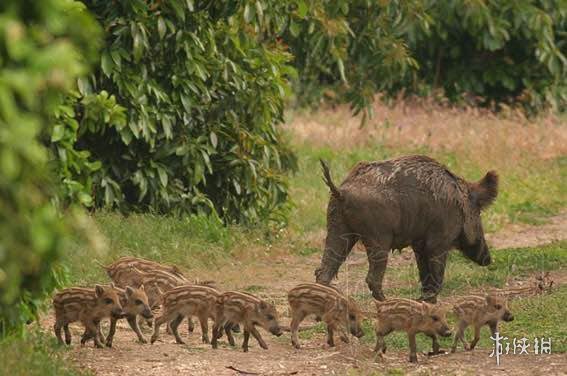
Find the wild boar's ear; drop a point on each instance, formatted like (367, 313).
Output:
(129, 291)
(112, 285)
(263, 305)
(485, 191)
(142, 288)
(99, 290)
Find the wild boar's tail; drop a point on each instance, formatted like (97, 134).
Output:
(327, 179)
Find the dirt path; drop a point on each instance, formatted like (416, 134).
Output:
(272, 278)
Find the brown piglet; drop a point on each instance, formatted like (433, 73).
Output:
(412, 317)
(88, 306)
(479, 311)
(327, 303)
(187, 301)
(134, 302)
(248, 310)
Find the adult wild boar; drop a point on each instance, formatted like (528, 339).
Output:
(411, 200)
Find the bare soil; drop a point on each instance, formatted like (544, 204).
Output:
(271, 279)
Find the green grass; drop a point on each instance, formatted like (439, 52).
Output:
(190, 242)
(37, 354)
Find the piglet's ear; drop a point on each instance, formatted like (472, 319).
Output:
(485, 191)
(142, 288)
(490, 299)
(129, 291)
(99, 290)
(263, 305)
(112, 285)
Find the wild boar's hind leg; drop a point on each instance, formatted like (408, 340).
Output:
(338, 244)
(377, 251)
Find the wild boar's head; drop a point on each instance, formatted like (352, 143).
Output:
(268, 318)
(472, 241)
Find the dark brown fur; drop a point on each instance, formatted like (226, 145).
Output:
(407, 201)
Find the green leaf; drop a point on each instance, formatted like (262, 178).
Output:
(162, 29)
(162, 176)
(106, 63)
(57, 133)
(214, 139)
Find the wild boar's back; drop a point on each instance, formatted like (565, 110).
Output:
(408, 174)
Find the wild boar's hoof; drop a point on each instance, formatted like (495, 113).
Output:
(428, 298)
(413, 358)
(439, 352)
(378, 295)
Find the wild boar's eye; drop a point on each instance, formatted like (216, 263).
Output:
(351, 317)
(139, 302)
(269, 317)
(108, 301)
(435, 318)
(498, 306)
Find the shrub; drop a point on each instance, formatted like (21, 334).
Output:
(181, 115)
(40, 57)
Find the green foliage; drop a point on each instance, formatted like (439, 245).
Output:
(498, 50)
(181, 115)
(38, 61)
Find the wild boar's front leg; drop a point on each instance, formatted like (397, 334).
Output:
(338, 244)
(377, 251)
(431, 260)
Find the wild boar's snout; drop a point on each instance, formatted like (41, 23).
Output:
(147, 313)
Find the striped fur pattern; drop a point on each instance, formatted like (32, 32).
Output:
(336, 310)
(479, 311)
(88, 306)
(412, 317)
(134, 302)
(246, 309)
(187, 301)
(141, 264)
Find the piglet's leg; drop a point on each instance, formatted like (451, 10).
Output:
(435, 348)
(246, 339)
(228, 330)
(67, 334)
(111, 332)
(459, 336)
(297, 317)
(413, 348)
(57, 329)
(493, 325)
(136, 328)
(258, 337)
(174, 325)
(476, 337)
(330, 335)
